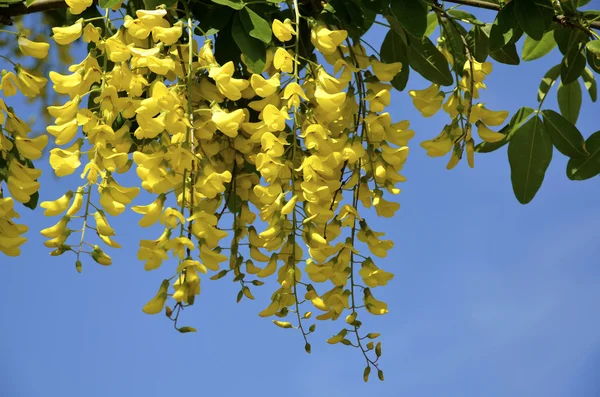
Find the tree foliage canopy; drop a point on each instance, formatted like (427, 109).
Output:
(259, 134)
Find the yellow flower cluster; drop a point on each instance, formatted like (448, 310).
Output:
(456, 136)
(286, 157)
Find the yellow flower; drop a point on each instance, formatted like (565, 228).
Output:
(66, 84)
(9, 83)
(488, 117)
(167, 35)
(151, 212)
(373, 305)
(274, 118)
(64, 133)
(32, 48)
(385, 71)
(229, 123)
(325, 40)
(427, 101)
(263, 87)
(65, 161)
(293, 92)
(283, 30)
(329, 102)
(438, 146)
(283, 60)
(29, 84)
(31, 148)
(488, 135)
(67, 35)
(76, 7)
(91, 33)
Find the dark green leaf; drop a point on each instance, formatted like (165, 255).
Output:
(478, 43)
(567, 38)
(533, 49)
(394, 50)
(529, 155)
(235, 4)
(225, 46)
(579, 169)
(255, 53)
(376, 5)
(573, 65)
(589, 81)
(548, 81)
(255, 25)
(507, 54)
(505, 28)
(594, 47)
(213, 20)
(412, 15)
(515, 122)
(565, 136)
(432, 23)
(530, 17)
(569, 100)
(429, 62)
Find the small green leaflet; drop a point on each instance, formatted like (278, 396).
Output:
(533, 49)
(529, 155)
(29, 2)
(412, 15)
(589, 81)
(504, 28)
(432, 23)
(573, 64)
(507, 54)
(108, 3)
(579, 169)
(255, 25)
(565, 136)
(593, 47)
(548, 81)
(569, 100)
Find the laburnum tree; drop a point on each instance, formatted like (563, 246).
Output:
(259, 133)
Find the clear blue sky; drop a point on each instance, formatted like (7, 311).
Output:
(491, 298)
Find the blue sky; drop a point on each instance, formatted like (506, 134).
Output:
(491, 298)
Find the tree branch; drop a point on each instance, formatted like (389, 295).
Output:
(16, 9)
(495, 7)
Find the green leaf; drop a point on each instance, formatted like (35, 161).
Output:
(573, 64)
(515, 122)
(507, 54)
(589, 81)
(567, 37)
(530, 17)
(529, 155)
(432, 23)
(185, 330)
(593, 61)
(235, 4)
(593, 47)
(478, 42)
(533, 49)
(579, 169)
(548, 81)
(429, 62)
(392, 50)
(255, 53)
(412, 15)
(29, 2)
(569, 100)
(108, 3)
(255, 25)
(565, 136)
(454, 42)
(505, 28)
(152, 4)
